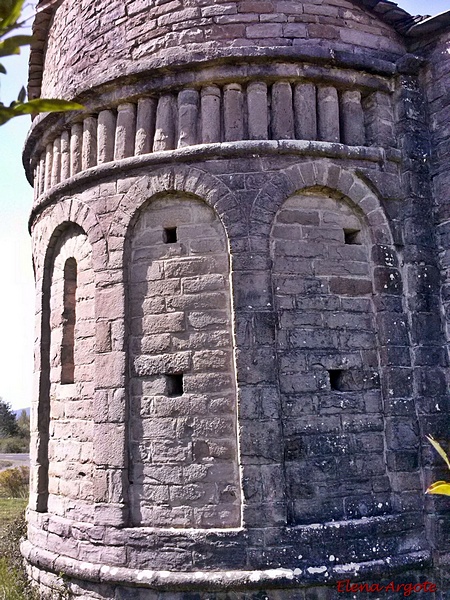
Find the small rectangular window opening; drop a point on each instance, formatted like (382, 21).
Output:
(174, 385)
(336, 376)
(352, 236)
(170, 235)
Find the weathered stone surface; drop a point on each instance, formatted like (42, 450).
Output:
(210, 114)
(187, 117)
(233, 112)
(125, 131)
(76, 136)
(352, 119)
(328, 114)
(257, 111)
(145, 125)
(165, 124)
(282, 111)
(168, 232)
(89, 151)
(105, 136)
(305, 103)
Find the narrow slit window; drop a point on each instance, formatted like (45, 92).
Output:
(336, 379)
(174, 385)
(69, 317)
(170, 235)
(352, 236)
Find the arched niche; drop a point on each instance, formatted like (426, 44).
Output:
(184, 467)
(69, 296)
(328, 360)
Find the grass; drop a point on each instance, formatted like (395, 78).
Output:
(12, 586)
(10, 509)
(13, 581)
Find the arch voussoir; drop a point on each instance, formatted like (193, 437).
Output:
(321, 174)
(185, 180)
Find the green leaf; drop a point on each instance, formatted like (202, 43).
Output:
(439, 487)
(5, 114)
(22, 95)
(12, 44)
(10, 11)
(436, 445)
(51, 105)
(17, 109)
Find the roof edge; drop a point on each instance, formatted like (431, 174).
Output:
(391, 13)
(430, 25)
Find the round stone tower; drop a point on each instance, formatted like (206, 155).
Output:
(230, 245)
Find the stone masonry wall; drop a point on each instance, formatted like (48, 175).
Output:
(436, 80)
(240, 346)
(249, 194)
(428, 94)
(328, 362)
(70, 448)
(133, 34)
(183, 440)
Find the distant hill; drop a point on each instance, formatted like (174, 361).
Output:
(18, 412)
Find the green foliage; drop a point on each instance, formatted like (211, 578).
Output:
(8, 424)
(439, 487)
(14, 433)
(14, 482)
(10, 11)
(23, 423)
(10, 15)
(14, 445)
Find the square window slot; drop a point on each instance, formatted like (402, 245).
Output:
(336, 379)
(352, 236)
(174, 385)
(170, 235)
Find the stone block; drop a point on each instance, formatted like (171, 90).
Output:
(189, 267)
(208, 319)
(206, 283)
(353, 131)
(197, 302)
(170, 323)
(164, 138)
(295, 30)
(109, 303)
(350, 287)
(282, 111)
(264, 30)
(110, 369)
(233, 112)
(187, 117)
(328, 114)
(146, 365)
(257, 109)
(125, 133)
(257, 448)
(210, 114)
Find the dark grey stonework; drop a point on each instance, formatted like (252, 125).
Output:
(241, 255)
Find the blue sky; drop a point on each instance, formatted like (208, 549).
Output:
(17, 295)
